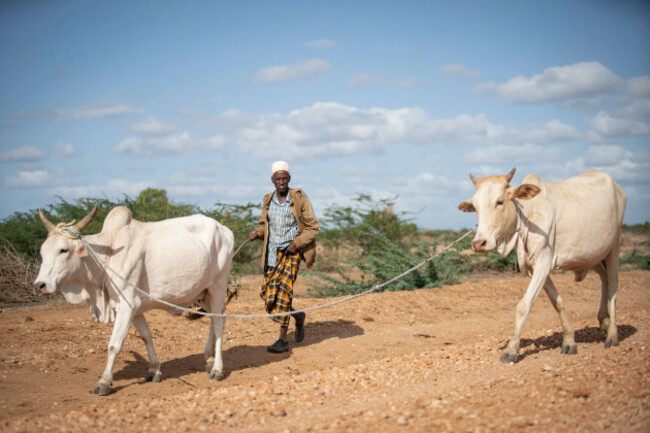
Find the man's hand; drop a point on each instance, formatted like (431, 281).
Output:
(254, 235)
(292, 248)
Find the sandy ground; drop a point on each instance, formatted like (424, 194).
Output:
(426, 360)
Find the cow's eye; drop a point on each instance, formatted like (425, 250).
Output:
(63, 250)
(499, 202)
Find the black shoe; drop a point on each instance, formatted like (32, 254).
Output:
(196, 316)
(279, 346)
(300, 326)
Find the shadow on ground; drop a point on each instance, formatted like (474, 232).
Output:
(591, 334)
(239, 357)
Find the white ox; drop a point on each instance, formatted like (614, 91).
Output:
(179, 260)
(573, 225)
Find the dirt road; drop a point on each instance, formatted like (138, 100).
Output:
(426, 360)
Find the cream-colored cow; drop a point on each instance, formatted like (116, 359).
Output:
(573, 225)
(179, 260)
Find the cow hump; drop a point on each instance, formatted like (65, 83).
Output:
(117, 218)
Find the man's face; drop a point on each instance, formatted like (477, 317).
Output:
(281, 181)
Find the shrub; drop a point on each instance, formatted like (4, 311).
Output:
(22, 233)
(16, 276)
(387, 244)
(241, 219)
(636, 260)
(637, 228)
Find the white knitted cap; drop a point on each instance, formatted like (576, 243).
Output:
(279, 166)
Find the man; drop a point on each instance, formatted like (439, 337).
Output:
(288, 228)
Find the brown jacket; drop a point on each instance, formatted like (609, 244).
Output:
(307, 224)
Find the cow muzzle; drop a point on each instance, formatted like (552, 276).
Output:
(479, 245)
(42, 289)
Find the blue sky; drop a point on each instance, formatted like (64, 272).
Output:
(385, 98)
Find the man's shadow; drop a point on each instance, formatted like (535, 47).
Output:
(590, 334)
(242, 356)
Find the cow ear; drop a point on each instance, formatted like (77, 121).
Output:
(467, 206)
(526, 191)
(82, 251)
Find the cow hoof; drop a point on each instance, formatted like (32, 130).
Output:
(153, 377)
(508, 357)
(569, 349)
(610, 343)
(102, 389)
(208, 367)
(216, 375)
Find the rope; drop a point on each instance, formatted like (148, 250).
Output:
(105, 266)
(240, 247)
(66, 230)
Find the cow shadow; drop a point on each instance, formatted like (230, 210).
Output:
(239, 357)
(588, 334)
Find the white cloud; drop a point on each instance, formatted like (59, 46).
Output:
(113, 188)
(232, 118)
(635, 108)
(21, 154)
(332, 129)
(28, 179)
(514, 154)
(41, 178)
(306, 69)
(625, 167)
(550, 132)
(67, 184)
(206, 181)
(321, 43)
(557, 83)
(64, 149)
(433, 184)
(93, 111)
(214, 142)
(152, 126)
(176, 144)
(458, 70)
(639, 86)
(605, 155)
(608, 126)
(626, 105)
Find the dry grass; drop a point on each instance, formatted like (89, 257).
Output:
(16, 277)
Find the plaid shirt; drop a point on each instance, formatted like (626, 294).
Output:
(283, 228)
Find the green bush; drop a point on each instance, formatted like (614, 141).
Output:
(388, 244)
(637, 228)
(496, 263)
(344, 223)
(241, 219)
(25, 232)
(636, 260)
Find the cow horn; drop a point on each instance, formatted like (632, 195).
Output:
(474, 180)
(46, 222)
(509, 175)
(86, 220)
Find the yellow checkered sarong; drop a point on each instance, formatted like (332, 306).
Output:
(277, 287)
